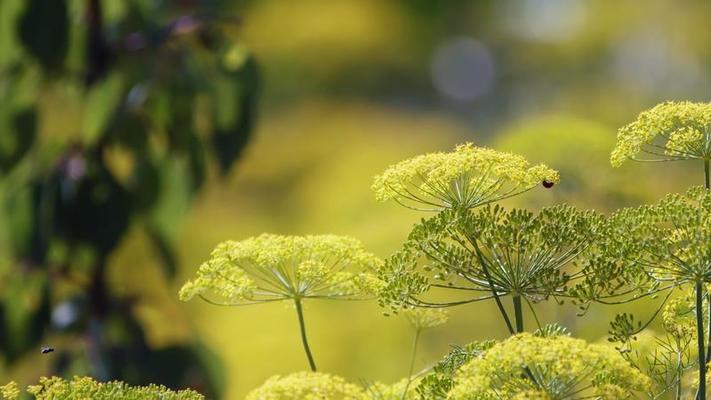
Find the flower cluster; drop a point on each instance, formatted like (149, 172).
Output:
(424, 318)
(273, 267)
(555, 367)
(10, 391)
(669, 242)
(465, 178)
(440, 380)
(512, 252)
(307, 386)
(669, 131)
(81, 388)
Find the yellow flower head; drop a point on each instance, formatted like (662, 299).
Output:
(307, 386)
(56, 388)
(669, 131)
(465, 178)
(556, 367)
(10, 391)
(273, 267)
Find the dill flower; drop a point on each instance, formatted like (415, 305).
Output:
(56, 388)
(10, 391)
(424, 318)
(669, 131)
(669, 242)
(273, 267)
(466, 178)
(307, 386)
(269, 268)
(662, 247)
(440, 380)
(490, 254)
(554, 367)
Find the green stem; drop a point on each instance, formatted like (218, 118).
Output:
(701, 394)
(679, 372)
(518, 313)
(413, 353)
(304, 340)
(708, 295)
(489, 280)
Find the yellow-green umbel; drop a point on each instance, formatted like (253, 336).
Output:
(668, 132)
(307, 386)
(467, 177)
(547, 367)
(465, 256)
(269, 268)
(56, 388)
(661, 247)
(672, 131)
(10, 391)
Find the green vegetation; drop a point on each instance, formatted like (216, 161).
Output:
(542, 258)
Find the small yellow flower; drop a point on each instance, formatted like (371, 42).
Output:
(553, 367)
(465, 178)
(10, 391)
(56, 388)
(669, 131)
(273, 267)
(307, 386)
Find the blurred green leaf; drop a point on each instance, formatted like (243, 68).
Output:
(102, 102)
(10, 51)
(235, 103)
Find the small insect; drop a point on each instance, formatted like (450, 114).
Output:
(548, 184)
(47, 349)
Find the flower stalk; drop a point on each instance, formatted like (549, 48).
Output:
(302, 330)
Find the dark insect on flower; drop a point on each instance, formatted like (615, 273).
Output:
(548, 184)
(46, 350)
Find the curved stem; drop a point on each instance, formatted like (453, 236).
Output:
(413, 353)
(304, 340)
(518, 313)
(701, 394)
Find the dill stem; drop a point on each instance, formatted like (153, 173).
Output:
(518, 313)
(413, 354)
(302, 328)
(701, 394)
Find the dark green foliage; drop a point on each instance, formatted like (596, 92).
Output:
(149, 80)
(44, 31)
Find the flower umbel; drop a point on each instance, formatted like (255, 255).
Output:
(307, 386)
(56, 388)
(465, 178)
(670, 131)
(10, 391)
(488, 254)
(553, 367)
(273, 267)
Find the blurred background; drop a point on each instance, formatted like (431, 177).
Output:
(136, 135)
